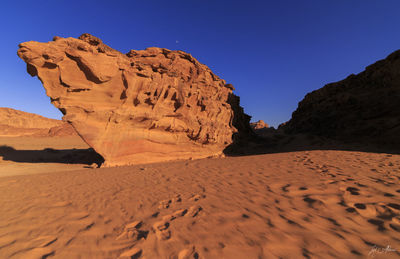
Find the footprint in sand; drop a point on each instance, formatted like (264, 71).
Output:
(378, 214)
(161, 228)
(308, 161)
(194, 211)
(350, 209)
(177, 198)
(322, 169)
(197, 197)
(165, 204)
(188, 253)
(377, 222)
(284, 188)
(132, 232)
(353, 190)
(313, 203)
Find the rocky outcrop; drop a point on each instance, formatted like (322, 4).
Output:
(259, 125)
(363, 108)
(262, 129)
(18, 123)
(146, 106)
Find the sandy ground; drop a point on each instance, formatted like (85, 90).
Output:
(306, 204)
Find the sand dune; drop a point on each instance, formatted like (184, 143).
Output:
(306, 204)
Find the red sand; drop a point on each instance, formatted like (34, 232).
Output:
(312, 204)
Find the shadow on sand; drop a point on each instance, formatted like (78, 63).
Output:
(49, 155)
(278, 142)
(251, 145)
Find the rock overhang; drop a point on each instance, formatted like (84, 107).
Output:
(144, 106)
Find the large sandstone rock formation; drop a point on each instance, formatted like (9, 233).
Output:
(18, 123)
(362, 108)
(146, 106)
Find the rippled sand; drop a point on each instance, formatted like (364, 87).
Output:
(306, 204)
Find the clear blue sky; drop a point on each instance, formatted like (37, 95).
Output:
(273, 52)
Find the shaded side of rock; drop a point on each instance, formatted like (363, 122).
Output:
(363, 108)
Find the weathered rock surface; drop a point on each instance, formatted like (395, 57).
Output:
(18, 123)
(363, 108)
(146, 106)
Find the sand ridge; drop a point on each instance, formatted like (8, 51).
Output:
(307, 204)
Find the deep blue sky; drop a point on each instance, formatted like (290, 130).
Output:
(273, 52)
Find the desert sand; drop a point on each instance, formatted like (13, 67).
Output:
(301, 204)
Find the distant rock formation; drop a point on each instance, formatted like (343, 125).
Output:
(146, 106)
(19, 123)
(259, 125)
(20, 119)
(363, 108)
(262, 129)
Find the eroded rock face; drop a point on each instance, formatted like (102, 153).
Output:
(363, 108)
(146, 106)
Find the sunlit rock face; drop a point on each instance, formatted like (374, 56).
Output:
(144, 106)
(363, 108)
